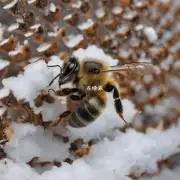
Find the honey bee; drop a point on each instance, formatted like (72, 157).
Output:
(92, 78)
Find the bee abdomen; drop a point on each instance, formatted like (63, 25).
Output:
(87, 112)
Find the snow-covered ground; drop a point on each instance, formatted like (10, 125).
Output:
(113, 157)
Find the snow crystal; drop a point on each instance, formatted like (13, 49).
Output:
(111, 159)
(3, 64)
(150, 34)
(94, 52)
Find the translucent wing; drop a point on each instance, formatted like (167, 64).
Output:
(134, 70)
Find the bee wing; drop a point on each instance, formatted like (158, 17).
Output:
(134, 70)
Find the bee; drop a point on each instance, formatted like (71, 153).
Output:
(92, 78)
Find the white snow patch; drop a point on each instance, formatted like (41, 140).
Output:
(3, 64)
(94, 52)
(73, 40)
(43, 47)
(100, 13)
(86, 24)
(107, 122)
(4, 92)
(13, 27)
(36, 77)
(151, 34)
(10, 5)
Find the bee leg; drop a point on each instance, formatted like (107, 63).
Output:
(56, 122)
(117, 101)
(67, 91)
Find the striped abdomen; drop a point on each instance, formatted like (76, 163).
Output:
(87, 112)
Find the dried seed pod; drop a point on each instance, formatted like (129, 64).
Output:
(125, 2)
(86, 8)
(105, 41)
(9, 44)
(69, 161)
(24, 114)
(64, 55)
(6, 130)
(72, 19)
(17, 7)
(88, 27)
(35, 162)
(9, 100)
(82, 151)
(111, 24)
(74, 41)
(43, 98)
(21, 56)
(59, 35)
(54, 13)
(29, 18)
(40, 4)
(76, 144)
(37, 33)
(122, 31)
(48, 49)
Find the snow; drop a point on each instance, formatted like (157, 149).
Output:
(27, 86)
(2, 29)
(77, 4)
(3, 64)
(113, 157)
(52, 7)
(150, 34)
(4, 92)
(10, 5)
(100, 13)
(72, 40)
(86, 24)
(13, 27)
(43, 47)
(94, 52)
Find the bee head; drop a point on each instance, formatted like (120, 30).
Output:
(70, 71)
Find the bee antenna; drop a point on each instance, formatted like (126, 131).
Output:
(56, 66)
(51, 90)
(54, 79)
